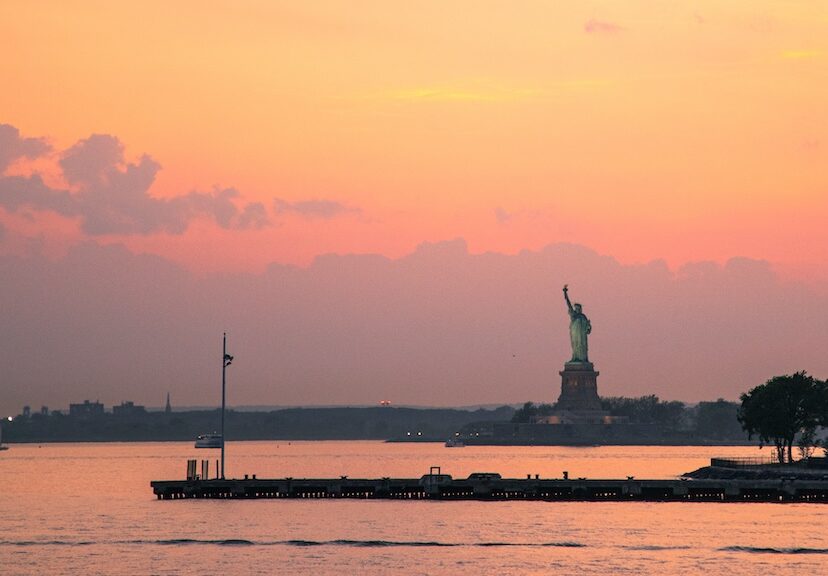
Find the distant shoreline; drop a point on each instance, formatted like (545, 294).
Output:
(382, 423)
(384, 441)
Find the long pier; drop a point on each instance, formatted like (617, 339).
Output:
(491, 487)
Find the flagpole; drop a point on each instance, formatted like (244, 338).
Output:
(223, 381)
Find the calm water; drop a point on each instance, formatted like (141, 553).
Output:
(88, 509)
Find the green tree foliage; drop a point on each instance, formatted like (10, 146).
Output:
(782, 408)
(807, 442)
(530, 412)
(645, 410)
(707, 421)
(718, 419)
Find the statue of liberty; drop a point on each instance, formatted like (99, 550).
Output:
(579, 329)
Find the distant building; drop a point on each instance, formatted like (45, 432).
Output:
(44, 410)
(86, 410)
(27, 411)
(128, 409)
(168, 407)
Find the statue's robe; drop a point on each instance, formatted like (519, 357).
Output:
(579, 328)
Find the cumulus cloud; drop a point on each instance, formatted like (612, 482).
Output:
(18, 192)
(94, 160)
(594, 26)
(220, 205)
(253, 216)
(322, 209)
(12, 146)
(112, 196)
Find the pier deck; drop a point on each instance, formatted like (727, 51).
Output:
(443, 487)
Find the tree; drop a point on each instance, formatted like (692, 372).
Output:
(646, 409)
(718, 419)
(807, 443)
(530, 412)
(782, 408)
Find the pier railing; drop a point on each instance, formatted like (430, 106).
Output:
(744, 462)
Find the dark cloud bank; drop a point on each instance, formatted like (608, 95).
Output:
(437, 327)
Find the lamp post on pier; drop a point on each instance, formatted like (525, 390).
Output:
(226, 360)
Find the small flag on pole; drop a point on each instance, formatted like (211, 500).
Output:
(228, 359)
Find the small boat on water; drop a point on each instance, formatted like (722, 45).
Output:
(455, 443)
(209, 441)
(1, 440)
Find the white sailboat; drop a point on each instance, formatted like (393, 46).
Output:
(208, 441)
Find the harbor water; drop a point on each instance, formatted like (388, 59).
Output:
(89, 509)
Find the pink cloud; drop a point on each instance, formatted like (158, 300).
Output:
(111, 195)
(13, 146)
(594, 26)
(316, 208)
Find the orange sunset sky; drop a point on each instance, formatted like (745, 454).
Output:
(171, 170)
(645, 130)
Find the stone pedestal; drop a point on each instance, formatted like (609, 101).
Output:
(579, 388)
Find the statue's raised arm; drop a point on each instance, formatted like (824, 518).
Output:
(566, 297)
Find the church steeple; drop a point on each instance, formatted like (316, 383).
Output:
(168, 408)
